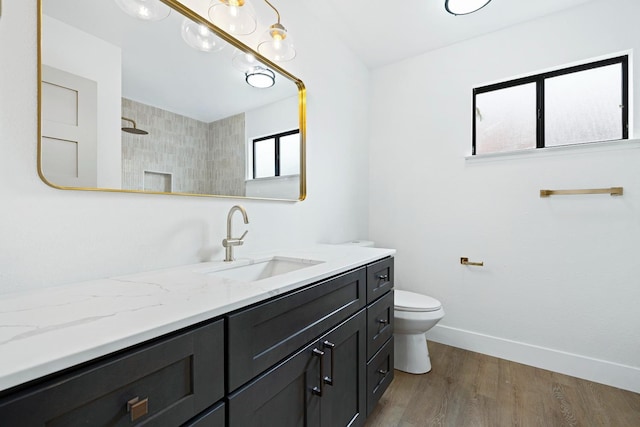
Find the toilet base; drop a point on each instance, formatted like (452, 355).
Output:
(411, 353)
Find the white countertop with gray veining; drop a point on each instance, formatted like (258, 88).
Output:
(45, 331)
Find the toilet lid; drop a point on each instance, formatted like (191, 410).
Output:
(410, 301)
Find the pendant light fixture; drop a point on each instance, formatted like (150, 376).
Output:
(260, 77)
(464, 7)
(199, 37)
(276, 44)
(147, 10)
(233, 16)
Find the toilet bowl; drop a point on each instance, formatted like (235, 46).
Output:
(414, 314)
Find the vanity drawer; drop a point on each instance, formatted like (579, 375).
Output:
(379, 323)
(174, 379)
(379, 374)
(261, 336)
(212, 417)
(379, 279)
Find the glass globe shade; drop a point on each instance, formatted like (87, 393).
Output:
(233, 16)
(199, 37)
(277, 44)
(147, 10)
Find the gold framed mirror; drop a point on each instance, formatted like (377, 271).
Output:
(127, 105)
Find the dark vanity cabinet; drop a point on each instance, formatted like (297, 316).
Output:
(165, 382)
(324, 383)
(337, 349)
(321, 355)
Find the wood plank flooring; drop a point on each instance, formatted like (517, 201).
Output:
(471, 389)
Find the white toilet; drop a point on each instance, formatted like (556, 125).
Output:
(414, 314)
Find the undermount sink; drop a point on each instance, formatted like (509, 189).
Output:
(263, 269)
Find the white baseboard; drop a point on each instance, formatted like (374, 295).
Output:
(600, 371)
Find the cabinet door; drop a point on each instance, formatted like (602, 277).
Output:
(284, 396)
(344, 373)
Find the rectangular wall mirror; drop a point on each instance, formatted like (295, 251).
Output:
(129, 105)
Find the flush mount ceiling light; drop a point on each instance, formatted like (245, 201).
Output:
(276, 44)
(147, 10)
(199, 37)
(260, 77)
(233, 16)
(464, 7)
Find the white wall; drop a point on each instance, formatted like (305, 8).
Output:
(560, 286)
(50, 237)
(82, 54)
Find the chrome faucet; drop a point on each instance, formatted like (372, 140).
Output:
(230, 242)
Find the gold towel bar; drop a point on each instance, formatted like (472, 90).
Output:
(465, 261)
(614, 191)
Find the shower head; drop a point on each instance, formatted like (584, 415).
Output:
(133, 129)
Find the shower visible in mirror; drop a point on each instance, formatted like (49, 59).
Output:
(141, 101)
(134, 130)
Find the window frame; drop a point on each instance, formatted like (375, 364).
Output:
(539, 80)
(276, 137)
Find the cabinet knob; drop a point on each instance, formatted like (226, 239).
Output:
(138, 408)
(383, 321)
(383, 277)
(383, 371)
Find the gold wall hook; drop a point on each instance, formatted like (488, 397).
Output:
(465, 261)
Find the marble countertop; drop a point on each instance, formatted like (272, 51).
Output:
(45, 331)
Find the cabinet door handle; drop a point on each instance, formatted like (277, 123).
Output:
(383, 371)
(318, 390)
(331, 346)
(383, 277)
(383, 321)
(137, 408)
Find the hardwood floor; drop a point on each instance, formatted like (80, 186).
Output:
(471, 389)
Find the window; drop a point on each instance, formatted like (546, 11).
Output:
(277, 155)
(575, 105)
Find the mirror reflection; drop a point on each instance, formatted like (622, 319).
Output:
(164, 106)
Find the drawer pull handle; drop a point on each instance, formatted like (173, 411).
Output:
(318, 390)
(383, 371)
(383, 321)
(138, 408)
(331, 346)
(383, 277)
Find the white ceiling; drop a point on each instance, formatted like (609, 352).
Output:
(382, 32)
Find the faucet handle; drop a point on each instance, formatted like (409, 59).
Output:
(243, 234)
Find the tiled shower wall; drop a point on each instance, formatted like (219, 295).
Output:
(227, 162)
(202, 158)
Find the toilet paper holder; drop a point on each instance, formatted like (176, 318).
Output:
(465, 261)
